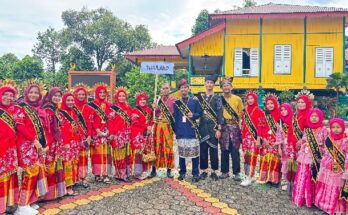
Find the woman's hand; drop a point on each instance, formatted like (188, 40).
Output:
(218, 134)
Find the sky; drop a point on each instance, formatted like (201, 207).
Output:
(168, 21)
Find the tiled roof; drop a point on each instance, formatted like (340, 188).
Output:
(281, 8)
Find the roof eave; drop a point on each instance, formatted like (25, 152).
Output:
(277, 15)
(199, 36)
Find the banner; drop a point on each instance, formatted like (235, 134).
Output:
(158, 68)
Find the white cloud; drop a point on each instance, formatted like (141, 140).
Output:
(168, 21)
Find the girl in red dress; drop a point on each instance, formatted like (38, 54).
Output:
(270, 164)
(54, 170)
(100, 149)
(8, 149)
(32, 145)
(252, 125)
(287, 142)
(141, 129)
(69, 149)
(119, 125)
(85, 120)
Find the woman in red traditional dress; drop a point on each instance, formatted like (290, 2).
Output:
(303, 106)
(287, 142)
(69, 148)
(54, 168)
(270, 164)
(85, 120)
(141, 128)
(100, 149)
(119, 125)
(8, 149)
(32, 145)
(252, 125)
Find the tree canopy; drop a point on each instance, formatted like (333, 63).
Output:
(201, 23)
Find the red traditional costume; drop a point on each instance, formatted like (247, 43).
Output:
(331, 189)
(253, 123)
(287, 140)
(300, 118)
(85, 121)
(8, 153)
(308, 159)
(54, 165)
(119, 125)
(100, 150)
(163, 136)
(69, 148)
(140, 135)
(270, 164)
(30, 122)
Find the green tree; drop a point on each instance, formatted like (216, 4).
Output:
(50, 47)
(201, 23)
(336, 81)
(27, 68)
(7, 65)
(59, 78)
(79, 58)
(249, 3)
(137, 81)
(102, 36)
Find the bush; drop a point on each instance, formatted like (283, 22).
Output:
(286, 97)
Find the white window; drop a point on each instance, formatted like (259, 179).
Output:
(323, 62)
(282, 59)
(246, 62)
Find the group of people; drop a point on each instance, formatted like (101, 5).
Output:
(48, 141)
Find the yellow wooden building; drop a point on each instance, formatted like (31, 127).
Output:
(272, 46)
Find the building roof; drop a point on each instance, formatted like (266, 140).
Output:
(283, 9)
(184, 44)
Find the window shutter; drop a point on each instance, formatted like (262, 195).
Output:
(328, 62)
(319, 62)
(238, 61)
(278, 63)
(254, 61)
(286, 59)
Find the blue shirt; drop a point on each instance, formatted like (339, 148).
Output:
(184, 130)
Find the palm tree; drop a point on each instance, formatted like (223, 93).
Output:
(337, 81)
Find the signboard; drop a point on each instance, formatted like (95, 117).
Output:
(158, 68)
(92, 78)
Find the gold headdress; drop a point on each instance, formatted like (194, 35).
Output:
(141, 93)
(305, 93)
(101, 84)
(249, 92)
(82, 85)
(269, 95)
(121, 89)
(35, 82)
(9, 83)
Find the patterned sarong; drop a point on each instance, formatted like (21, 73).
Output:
(34, 185)
(163, 142)
(122, 161)
(8, 191)
(270, 167)
(188, 148)
(101, 160)
(83, 164)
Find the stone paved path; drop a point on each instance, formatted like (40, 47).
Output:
(166, 196)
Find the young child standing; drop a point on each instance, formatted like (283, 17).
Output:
(330, 188)
(309, 158)
(287, 141)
